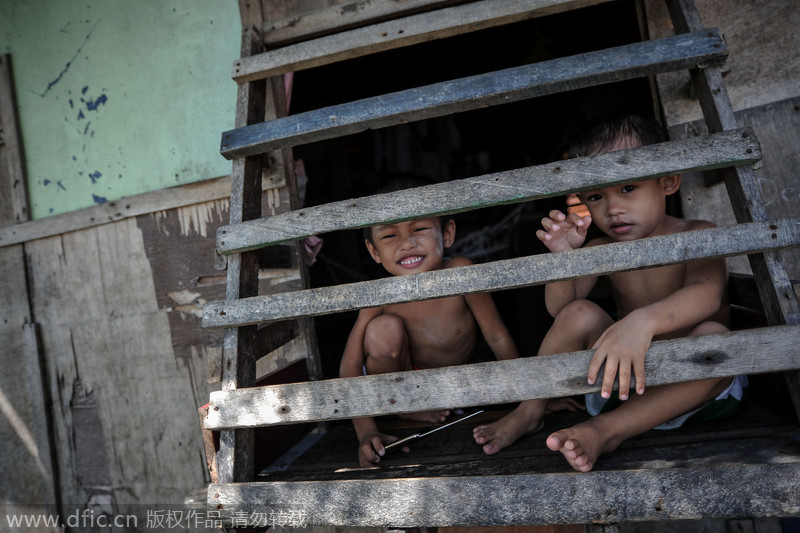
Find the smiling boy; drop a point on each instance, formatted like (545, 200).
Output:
(426, 334)
(657, 303)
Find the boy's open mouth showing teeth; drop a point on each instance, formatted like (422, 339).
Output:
(411, 261)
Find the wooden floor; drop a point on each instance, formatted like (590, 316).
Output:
(453, 452)
(757, 433)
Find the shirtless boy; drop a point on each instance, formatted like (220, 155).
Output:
(657, 303)
(426, 334)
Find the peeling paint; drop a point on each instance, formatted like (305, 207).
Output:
(194, 310)
(183, 297)
(195, 218)
(92, 105)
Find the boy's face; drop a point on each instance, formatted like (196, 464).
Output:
(631, 211)
(634, 210)
(412, 246)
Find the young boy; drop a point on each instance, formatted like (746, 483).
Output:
(657, 303)
(426, 334)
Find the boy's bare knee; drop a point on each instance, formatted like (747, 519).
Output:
(581, 315)
(385, 337)
(708, 328)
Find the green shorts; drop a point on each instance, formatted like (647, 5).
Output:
(723, 406)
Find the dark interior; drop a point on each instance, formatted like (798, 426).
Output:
(458, 146)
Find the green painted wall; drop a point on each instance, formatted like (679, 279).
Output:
(120, 97)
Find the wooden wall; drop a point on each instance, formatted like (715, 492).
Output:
(124, 359)
(762, 77)
(26, 459)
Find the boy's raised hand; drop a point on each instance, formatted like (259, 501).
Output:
(563, 232)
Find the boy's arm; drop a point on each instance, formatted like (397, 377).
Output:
(561, 233)
(370, 440)
(494, 331)
(623, 346)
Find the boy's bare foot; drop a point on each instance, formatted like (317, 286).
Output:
(427, 416)
(581, 444)
(505, 432)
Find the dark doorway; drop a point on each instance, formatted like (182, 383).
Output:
(467, 144)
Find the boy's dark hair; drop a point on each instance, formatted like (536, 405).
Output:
(398, 182)
(603, 133)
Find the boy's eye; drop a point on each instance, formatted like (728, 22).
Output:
(628, 188)
(387, 236)
(423, 228)
(594, 197)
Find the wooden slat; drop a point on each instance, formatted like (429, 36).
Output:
(14, 186)
(274, 336)
(529, 81)
(394, 34)
(753, 351)
(131, 206)
(508, 273)
(698, 153)
(285, 356)
(758, 487)
(236, 456)
(341, 16)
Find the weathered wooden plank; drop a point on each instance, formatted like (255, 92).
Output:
(288, 27)
(236, 456)
(13, 186)
(777, 127)
(781, 305)
(754, 488)
(719, 150)
(777, 293)
(273, 336)
(43, 456)
(762, 67)
(529, 81)
(753, 351)
(93, 296)
(132, 206)
(392, 34)
(508, 273)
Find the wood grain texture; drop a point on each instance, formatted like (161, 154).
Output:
(93, 295)
(715, 151)
(529, 81)
(777, 127)
(508, 273)
(763, 66)
(777, 292)
(236, 456)
(140, 204)
(28, 449)
(745, 352)
(307, 21)
(13, 185)
(391, 34)
(754, 488)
